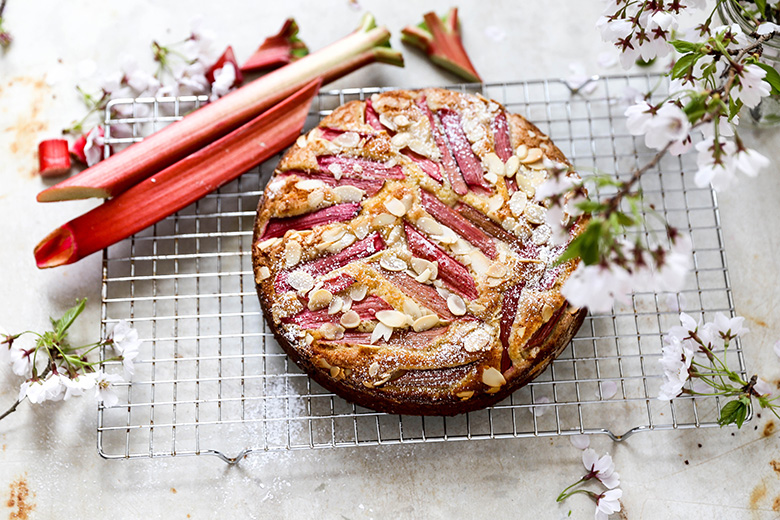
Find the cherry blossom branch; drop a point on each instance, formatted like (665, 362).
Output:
(11, 410)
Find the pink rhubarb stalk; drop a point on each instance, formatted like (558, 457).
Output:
(469, 165)
(440, 40)
(203, 126)
(360, 168)
(424, 294)
(451, 170)
(503, 143)
(484, 223)
(373, 243)
(428, 166)
(338, 283)
(277, 50)
(370, 186)
(53, 158)
(366, 309)
(277, 227)
(228, 57)
(462, 226)
(451, 272)
(372, 119)
(508, 313)
(178, 185)
(408, 339)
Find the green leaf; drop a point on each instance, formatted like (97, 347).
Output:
(585, 246)
(772, 77)
(623, 219)
(62, 325)
(761, 4)
(696, 108)
(591, 206)
(734, 412)
(684, 47)
(684, 64)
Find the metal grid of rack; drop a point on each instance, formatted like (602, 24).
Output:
(210, 378)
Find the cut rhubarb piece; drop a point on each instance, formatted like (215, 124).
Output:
(469, 165)
(338, 283)
(500, 129)
(370, 186)
(369, 306)
(511, 185)
(203, 126)
(277, 50)
(341, 166)
(462, 226)
(77, 150)
(227, 58)
(179, 185)
(330, 134)
(277, 227)
(401, 338)
(372, 119)
(508, 313)
(53, 158)
(366, 309)
(440, 40)
(451, 272)
(428, 166)
(373, 243)
(451, 169)
(484, 223)
(422, 293)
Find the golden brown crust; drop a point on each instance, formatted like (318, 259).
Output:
(464, 362)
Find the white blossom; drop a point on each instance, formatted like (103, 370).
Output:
(721, 173)
(767, 28)
(104, 388)
(601, 468)
(93, 149)
(580, 441)
(608, 503)
(21, 361)
(224, 79)
(77, 386)
(762, 388)
(608, 390)
(597, 286)
(125, 341)
(751, 87)
(675, 361)
(50, 389)
(668, 124)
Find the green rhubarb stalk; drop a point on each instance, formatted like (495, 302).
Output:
(440, 39)
(119, 172)
(180, 184)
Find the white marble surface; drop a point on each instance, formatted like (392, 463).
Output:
(51, 447)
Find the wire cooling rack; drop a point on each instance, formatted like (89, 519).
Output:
(210, 378)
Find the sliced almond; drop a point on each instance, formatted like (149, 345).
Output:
(395, 207)
(517, 203)
(465, 395)
(494, 164)
(495, 202)
(492, 377)
(267, 244)
(425, 322)
(334, 372)
(345, 241)
(448, 236)
(424, 277)
(358, 292)
(512, 165)
(350, 319)
(381, 331)
(332, 331)
(479, 262)
(547, 312)
(391, 318)
(301, 281)
(334, 233)
(319, 299)
(320, 362)
(373, 369)
(361, 230)
(420, 264)
(534, 154)
(292, 253)
(400, 140)
(309, 184)
(347, 140)
(411, 308)
(534, 213)
(491, 177)
(392, 263)
(401, 121)
(456, 305)
(349, 193)
(335, 305)
(382, 220)
(429, 226)
(541, 235)
(497, 270)
(301, 141)
(521, 152)
(335, 169)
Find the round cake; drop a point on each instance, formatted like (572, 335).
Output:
(402, 259)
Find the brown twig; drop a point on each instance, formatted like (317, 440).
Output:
(10, 410)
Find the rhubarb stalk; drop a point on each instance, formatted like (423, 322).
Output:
(180, 184)
(424, 294)
(503, 143)
(201, 127)
(370, 186)
(53, 157)
(440, 40)
(469, 164)
(277, 50)
(228, 57)
(462, 226)
(451, 272)
(277, 227)
(508, 314)
(484, 223)
(451, 170)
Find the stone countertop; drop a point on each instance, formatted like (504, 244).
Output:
(48, 459)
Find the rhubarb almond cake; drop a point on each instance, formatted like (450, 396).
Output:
(402, 259)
